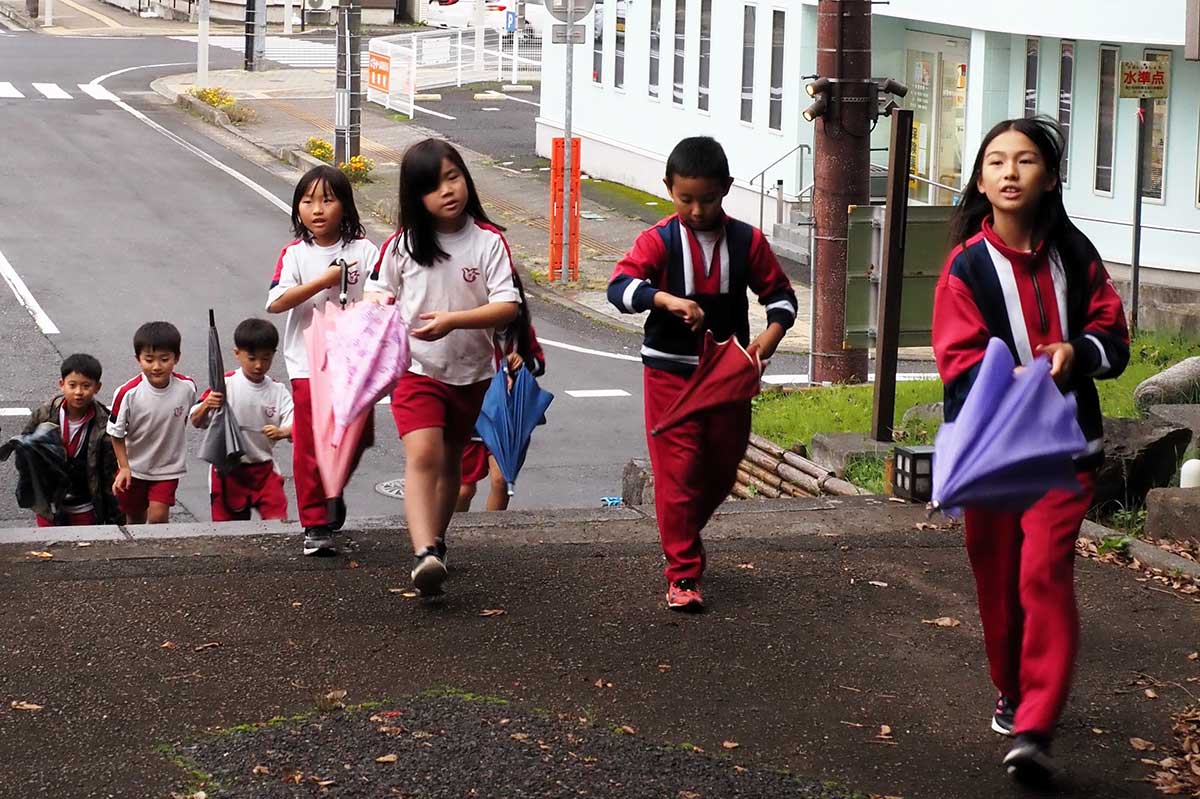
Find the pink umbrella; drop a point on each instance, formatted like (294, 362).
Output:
(338, 445)
(367, 354)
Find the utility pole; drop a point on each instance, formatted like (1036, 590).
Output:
(347, 114)
(202, 46)
(847, 97)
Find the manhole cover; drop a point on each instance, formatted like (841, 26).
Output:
(392, 488)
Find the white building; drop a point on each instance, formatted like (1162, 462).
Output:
(657, 70)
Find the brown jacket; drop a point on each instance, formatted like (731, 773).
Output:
(101, 461)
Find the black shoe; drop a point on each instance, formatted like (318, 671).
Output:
(1004, 715)
(337, 513)
(429, 572)
(318, 541)
(1029, 760)
(440, 545)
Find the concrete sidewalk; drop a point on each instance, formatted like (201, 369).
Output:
(293, 104)
(816, 638)
(97, 18)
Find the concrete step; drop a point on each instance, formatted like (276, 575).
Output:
(794, 235)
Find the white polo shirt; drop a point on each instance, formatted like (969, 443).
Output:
(300, 262)
(477, 271)
(254, 406)
(153, 422)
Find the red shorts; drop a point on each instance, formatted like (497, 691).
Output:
(419, 402)
(137, 498)
(248, 485)
(475, 462)
(70, 520)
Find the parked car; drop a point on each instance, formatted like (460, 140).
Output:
(461, 13)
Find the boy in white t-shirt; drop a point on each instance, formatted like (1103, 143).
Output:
(262, 407)
(148, 427)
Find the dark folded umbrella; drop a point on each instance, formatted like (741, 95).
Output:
(727, 373)
(41, 459)
(221, 443)
(508, 417)
(1015, 438)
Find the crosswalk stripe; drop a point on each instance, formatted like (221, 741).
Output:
(10, 91)
(97, 92)
(52, 91)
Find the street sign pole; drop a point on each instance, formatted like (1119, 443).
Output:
(260, 33)
(354, 84)
(341, 92)
(202, 47)
(1136, 264)
(251, 8)
(568, 149)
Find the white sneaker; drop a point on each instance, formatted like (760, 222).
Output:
(429, 573)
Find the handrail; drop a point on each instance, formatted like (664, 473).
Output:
(762, 182)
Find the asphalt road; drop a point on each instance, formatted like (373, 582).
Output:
(111, 222)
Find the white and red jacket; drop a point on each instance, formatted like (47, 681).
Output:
(1027, 299)
(670, 257)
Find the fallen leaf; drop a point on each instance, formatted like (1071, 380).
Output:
(877, 583)
(664, 667)
(293, 776)
(1141, 744)
(41, 555)
(1194, 656)
(297, 604)
(747, 566)
(600, 683)
(730, 744)
(387, 759)
(260, 771)
(628, 730)
(897, 499)
(689, 795)
(83, 544)
(1151, 694)
(885, 733)
(28, 707)
(168, 645)
(1097, 730)
(487, 613)
(740, 769)
(334, 700)
(354, 564)
(387, 729)
(421, 735)
(209, 645)
(925, 526)
(520, 736)
(322, 783)
(942, 621)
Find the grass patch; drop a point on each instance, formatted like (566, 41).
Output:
(197, 778)
(627, 200)
(462, 696)
(866, 473)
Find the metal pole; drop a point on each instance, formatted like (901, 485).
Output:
(48, 13)
(354, 59)
(842, 160)
(887, 340)
(202, 46)
(479, 21)
(458, 68)
(251, 5)
(287, 17)
(568, 150)
(341, 94)
(516, 55)
(260, 33)
(1138, 169)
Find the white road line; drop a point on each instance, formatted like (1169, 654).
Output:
(7, 90)
(522, 100)
(431, 112)
(583, 350)
(597, 393)
(51, 91)
(26, 298)
(14, 411)
(803, 380)
(107, 75)
(97, 92)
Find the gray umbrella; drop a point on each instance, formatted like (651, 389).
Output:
(221, 444)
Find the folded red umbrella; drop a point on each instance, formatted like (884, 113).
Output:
(726, 374)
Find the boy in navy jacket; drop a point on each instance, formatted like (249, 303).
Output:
(692, 271)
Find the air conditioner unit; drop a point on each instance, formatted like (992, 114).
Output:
(319, 5)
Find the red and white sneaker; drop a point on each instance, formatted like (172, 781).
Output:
(685, 595)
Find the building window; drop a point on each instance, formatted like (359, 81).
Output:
(1032, 46)
(1155, 163)
(655, 44)
(1066, 86)
(680, 49)
(598, 43)
(748, 22)
(1106, 118)
(776, 108)
(705, 52)
(619, 43)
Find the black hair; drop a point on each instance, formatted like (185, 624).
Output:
(351, 225)
(520, 331)
(157, 336)
(698, 157)
(420, 174)
(84, 364)
(256, 335)
(1053, 227)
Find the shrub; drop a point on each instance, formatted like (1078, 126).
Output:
(319, 149)
(358, 169)
(214, 96)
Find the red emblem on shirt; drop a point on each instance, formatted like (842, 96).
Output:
(270, 411)
(470, 273)
(352, 277)
(179, 411)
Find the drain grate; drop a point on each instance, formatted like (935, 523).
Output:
(391, 488)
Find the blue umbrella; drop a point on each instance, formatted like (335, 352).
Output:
(508, 417)
(1014, 439)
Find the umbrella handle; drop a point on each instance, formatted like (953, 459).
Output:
(344, 292)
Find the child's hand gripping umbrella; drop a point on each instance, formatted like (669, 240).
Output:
(355, 358)
(727, 373)
(1014, 439)
(508, 417)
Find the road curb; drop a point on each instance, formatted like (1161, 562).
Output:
(19, 17)
(1148, 554)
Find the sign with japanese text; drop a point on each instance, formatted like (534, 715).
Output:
(1145, 80)
(379, 72)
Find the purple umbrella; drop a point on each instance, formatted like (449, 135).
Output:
(1014, 439)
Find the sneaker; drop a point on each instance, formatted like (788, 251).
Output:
(1005, 713)
(685, 595)
(429, 573)
(318, 540)
(440, 545)
(1029, 760)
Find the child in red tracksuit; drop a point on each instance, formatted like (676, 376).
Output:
(1022, 272)
(691, 272)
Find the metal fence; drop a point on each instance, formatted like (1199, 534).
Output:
(402, 66)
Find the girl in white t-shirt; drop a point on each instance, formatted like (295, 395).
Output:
(449, 269)
(307, 275)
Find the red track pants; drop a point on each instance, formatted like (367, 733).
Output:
(1024, 565)
(695, 466)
